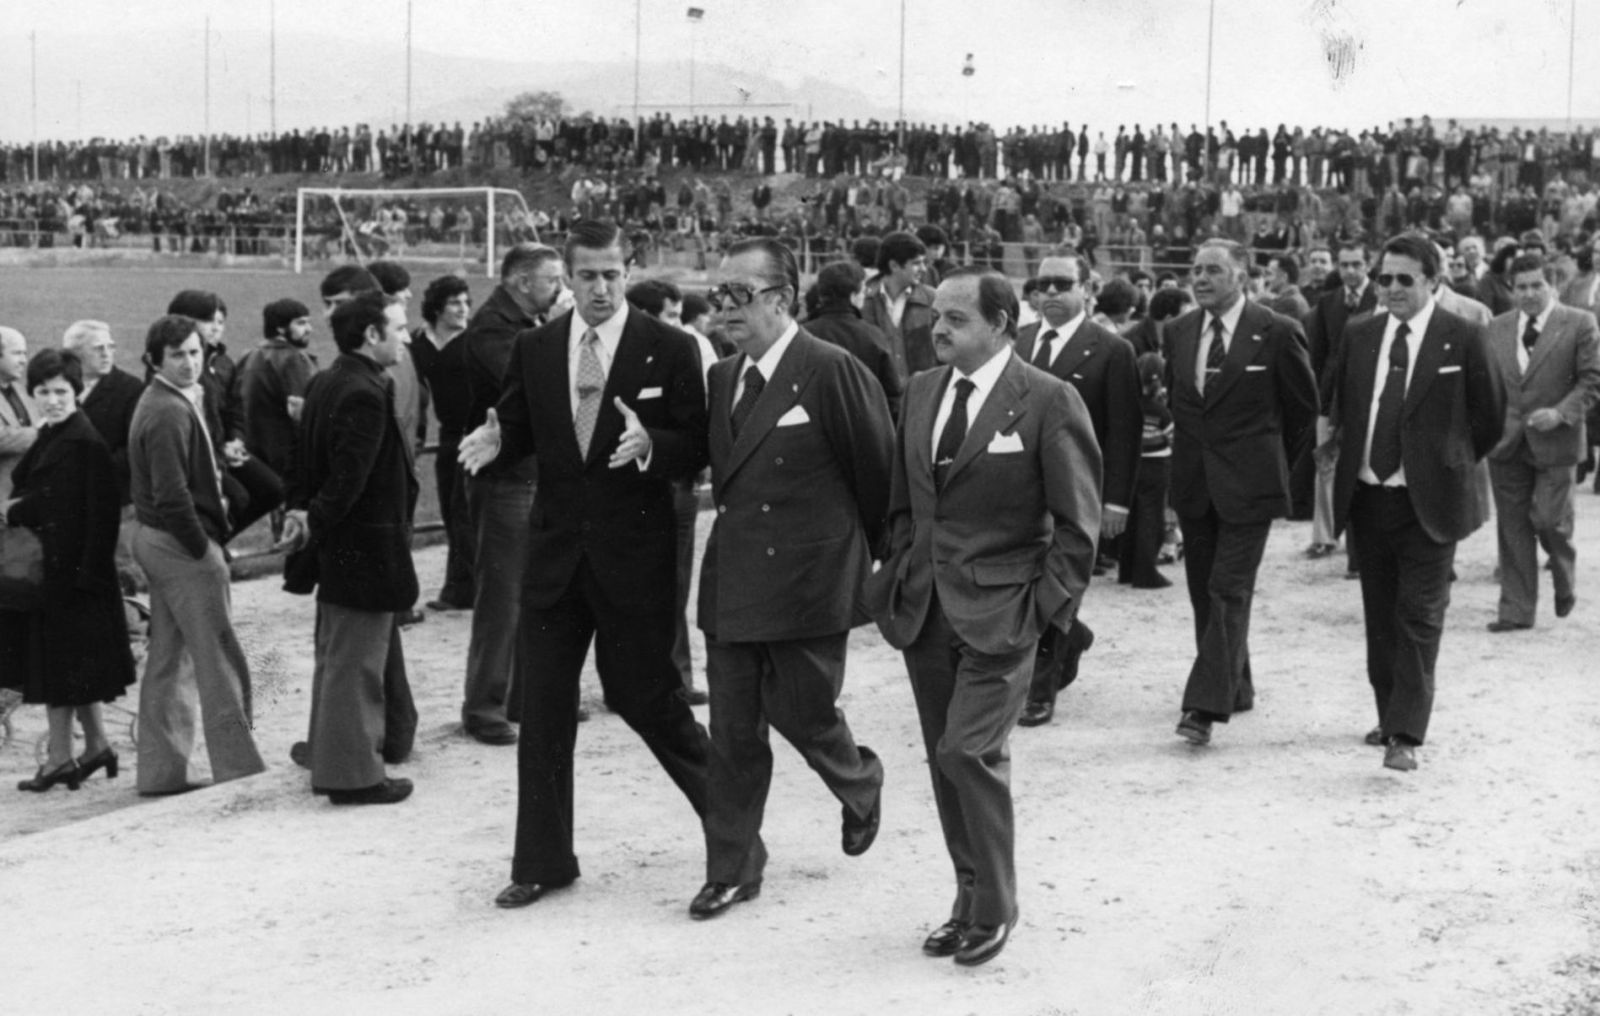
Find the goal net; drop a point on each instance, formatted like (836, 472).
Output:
(459, 226)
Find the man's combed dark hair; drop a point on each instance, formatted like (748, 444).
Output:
(838, 282)
(781, 267)
(653, 295)
(1526, 262)
(899, 248)
(198, 304)
(995, 296)
(596, 234)
(1418, 248)
(352, 279)
(351, 319)
(391, 275)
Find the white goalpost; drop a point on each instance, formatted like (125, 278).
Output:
(360, 236)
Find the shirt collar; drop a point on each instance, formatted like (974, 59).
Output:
(768, 364)
(1540, 322)
(1418, 323)
(984, 377)
(1067, 330)
(609, 330)
(1229, 318)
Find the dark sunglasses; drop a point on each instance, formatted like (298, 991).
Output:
(730, 295)
(1403, 278)
(1058, 283)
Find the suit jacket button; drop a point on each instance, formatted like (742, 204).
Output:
(771, 552)
(722, 509)
(766, 507)
(778, 460)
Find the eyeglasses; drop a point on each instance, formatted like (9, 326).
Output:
(1055, 283)
(1404, 279)
(731, 295)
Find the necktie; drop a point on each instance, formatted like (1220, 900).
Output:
(1216, 354)
(753, 383)
(1352, 299)
(1041, 356)
(591, 383)
(1530, 336)
(955, 431)
(17, 406)
(1385, 457)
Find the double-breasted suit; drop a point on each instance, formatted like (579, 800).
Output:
(976, 571)
(1532, 470)
(353, 475)
(1231, 448)
(601, 565)
(1406, 529)
(801, 493)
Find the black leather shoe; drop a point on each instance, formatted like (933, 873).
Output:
(172, 792)
(1194, 728)
(390, 791)
(715, 897)
(521, 894)
(1400, 756)
(445, 606)
(945, 940)
(300, 754)
(858, 833)
(1497, 626)
(1078, 640)
(410, 617)
(1376, 737)
(1037, 714)
(493, 733)
(983, 943)
(1564, 605)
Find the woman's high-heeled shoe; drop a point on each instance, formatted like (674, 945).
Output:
(67, 772)
(105, 759)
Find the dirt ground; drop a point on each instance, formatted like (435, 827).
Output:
(1280, 870)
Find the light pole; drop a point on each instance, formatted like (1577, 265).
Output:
(33, 47)
(408, 62)
(902, 121)
(1211, 27)
(1572, 51)
(272, 65)
(638, 45)
(207, 158)
(695, 16)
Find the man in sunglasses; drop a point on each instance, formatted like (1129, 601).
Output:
(1418, 407)
(1243, 402)
(801, 444)
(1101, 365)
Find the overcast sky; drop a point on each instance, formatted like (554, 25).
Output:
(1350, 62)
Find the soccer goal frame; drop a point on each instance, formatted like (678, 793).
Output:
(489, 194)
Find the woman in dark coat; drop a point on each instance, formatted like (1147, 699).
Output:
(72, 653)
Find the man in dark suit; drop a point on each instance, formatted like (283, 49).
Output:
(836, 318)
(900, 305)
(1418, 407)
(1548, 367)
(353, 492)
(500, 496)
(801, 442)
(613, 404)
(110, 395)
(1102, 366)
(1354, 297)
(1243, 400)
(272, 383)
(992, 540)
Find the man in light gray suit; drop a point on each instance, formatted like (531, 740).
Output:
(1547, 360)
(18, 415)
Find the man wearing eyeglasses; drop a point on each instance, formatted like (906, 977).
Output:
(801, 443)
(1243, 402)
(1102, 366)
(1549, 370)
(1418, 407)
(612, 403)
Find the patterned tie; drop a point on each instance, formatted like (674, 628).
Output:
(955, 431)
(1352, 299)
(1216, 354)
(1530, 336)
(753, 383)
(1385, 457)
(591, 383)
(18, 407)
(1041, 356)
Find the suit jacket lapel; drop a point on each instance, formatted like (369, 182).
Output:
(1364, 356)
(1241, 350)
(1186, 353)
(1554, 332)
(1026, 339)
(634, 352)
(920, 416)
(547, 373)
(1078, 349)
(778, 396)
(998, 413)
(1503, 342)
(1429, 358)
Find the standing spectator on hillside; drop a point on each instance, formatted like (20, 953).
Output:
(446, 306)
(183, 523)
(110, 395)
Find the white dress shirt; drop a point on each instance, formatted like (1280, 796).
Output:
(1230, 325)
(610, 333)
(767, 365)
(1064, 335)
(983, 380)
(1419, 328)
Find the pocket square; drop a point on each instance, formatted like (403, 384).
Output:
(794, 417)
(1004, 443)
(1255, 367)
(649, 393)
(1456, 369)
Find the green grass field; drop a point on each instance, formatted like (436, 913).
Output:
(42, 302)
